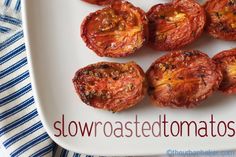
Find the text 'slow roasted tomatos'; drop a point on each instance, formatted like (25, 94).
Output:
(182, 79)
(110, 86)
(174, 25)
(221, 18)
(115, 31)
(99, 2)
(226, 61)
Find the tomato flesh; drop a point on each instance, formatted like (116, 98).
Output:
(182, 79)
(99, 2)
(226, 61)
(221, 18)
(174, 25)
(111, 86)
(116, 31)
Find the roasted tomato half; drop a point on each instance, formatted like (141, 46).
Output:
(115, 31)
(226, 61)
(99, 2)
(111, 86)
(221, 18)
(174, 25)
(182, 79)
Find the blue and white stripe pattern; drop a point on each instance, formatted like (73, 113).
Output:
(21, 131)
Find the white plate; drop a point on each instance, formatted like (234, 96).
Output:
(56, 51)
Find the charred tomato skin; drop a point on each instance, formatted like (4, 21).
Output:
(111, 86)
(226, 61)
(118, 30)
(221, 19)
(99, 2)
(181, 79)
(175, 25)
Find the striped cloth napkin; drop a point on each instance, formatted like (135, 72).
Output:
(21, 131)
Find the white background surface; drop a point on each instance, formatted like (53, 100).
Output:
(57, 51)
(3, 153)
